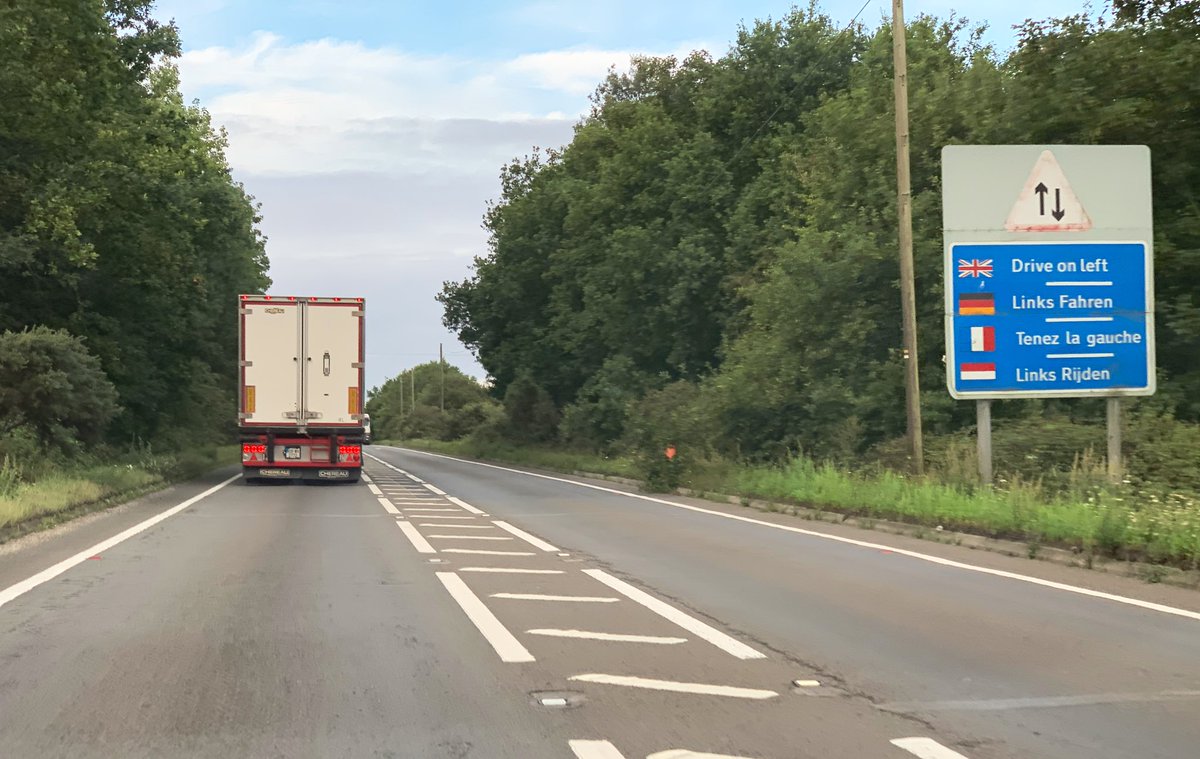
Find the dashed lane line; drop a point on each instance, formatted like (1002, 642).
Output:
(512, 571)
(594, 750)
(532, 540)
(446, 517)
(926, 748)
(387, 506)
(494, 632)
(428, 510)
(481, 552)
(457, 526)
(467, 537)
(374, 489)
(683, 753)
(700, 629)
(434, 490)
(419, 542)
(614, 637)
(541, 597)
(463, 504)
(702, 689)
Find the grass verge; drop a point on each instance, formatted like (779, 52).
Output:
(59, 495)
(1120, 523)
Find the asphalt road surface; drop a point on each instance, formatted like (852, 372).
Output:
(452, 609)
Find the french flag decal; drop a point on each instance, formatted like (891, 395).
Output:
(983, 339)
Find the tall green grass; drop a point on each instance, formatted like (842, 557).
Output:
(1116, 522)
(56, 490)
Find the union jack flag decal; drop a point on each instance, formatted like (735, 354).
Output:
(974, 268)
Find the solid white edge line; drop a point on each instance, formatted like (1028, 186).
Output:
(28, 584)
(594, 750)
(463, 504)
(1148, 605)
(481, 552)
(374, 489)
(728, 644)
(434, 490)
(541, 597)
(536, 542)
(387, 506)
(513, 571)
(615, 637)
(703, 689)
(926, 748)
(493, 631)
(414, 536)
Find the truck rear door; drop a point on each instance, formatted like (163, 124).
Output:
(271, 337)
(333, 367)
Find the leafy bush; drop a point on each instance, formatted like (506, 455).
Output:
(52, 386)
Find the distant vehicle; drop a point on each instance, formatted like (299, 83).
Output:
(300, 405)
(366, 429)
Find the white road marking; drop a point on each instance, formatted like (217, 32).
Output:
(1148, 605)
(415, 537)
(366, 477)
(457, 526)
(468, 537)
(594, 750)
(683, 753)
(505, 570)
(540, 597)
(926, 748)
(374, 489)
(807, 683)
(465, 505)
(505, 643)
(615, 637)
(703, 689)
(28, 584)
(387, 506)
(530, 539)
(430, 509)
(434, 490)
(480, 552)
(1039, 702)
(446, 517)
(414, 478)
(700, 629)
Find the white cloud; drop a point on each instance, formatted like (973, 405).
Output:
(374, 166)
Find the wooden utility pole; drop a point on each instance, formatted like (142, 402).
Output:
(442, 366)
(908, 304)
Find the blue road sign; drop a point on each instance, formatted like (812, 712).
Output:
(1044, 319)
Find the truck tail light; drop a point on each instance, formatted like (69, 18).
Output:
(349, 454)
(254, 452)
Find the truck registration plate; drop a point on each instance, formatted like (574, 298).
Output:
(291, 452)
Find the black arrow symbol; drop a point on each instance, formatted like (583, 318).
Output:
(1058, 211)
(1041, 190)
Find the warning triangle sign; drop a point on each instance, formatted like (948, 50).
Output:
(1047, 203)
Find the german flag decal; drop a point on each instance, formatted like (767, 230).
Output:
(976, 304)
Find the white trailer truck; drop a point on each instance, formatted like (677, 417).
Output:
(300, 408)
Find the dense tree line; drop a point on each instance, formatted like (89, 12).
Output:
(716, 247)
(123, 238)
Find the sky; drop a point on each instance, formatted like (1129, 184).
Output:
(373, 132)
